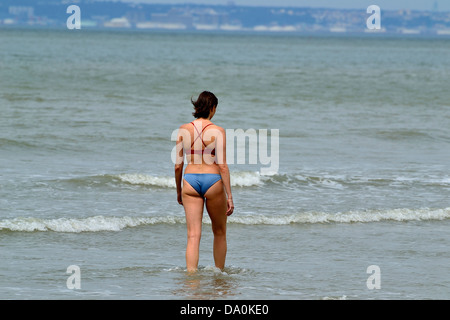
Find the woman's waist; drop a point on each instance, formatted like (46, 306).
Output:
(202, 168)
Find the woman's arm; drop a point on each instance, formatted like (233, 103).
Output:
(221, 158)
(225, 174)
(179, 165)
(178, 176)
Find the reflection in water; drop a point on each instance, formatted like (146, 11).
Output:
(207, 283)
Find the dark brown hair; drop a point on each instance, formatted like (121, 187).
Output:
(206, 101)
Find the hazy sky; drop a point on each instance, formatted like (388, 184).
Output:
(443, 5)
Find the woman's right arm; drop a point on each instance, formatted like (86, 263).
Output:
(225, 174)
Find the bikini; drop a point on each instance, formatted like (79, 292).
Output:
(201, 182)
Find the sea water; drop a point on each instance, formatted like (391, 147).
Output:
(86, 176)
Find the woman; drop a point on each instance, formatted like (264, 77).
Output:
(206, 179)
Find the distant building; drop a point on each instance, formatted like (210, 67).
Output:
(118, 23)
(228, 17)
(174, 18)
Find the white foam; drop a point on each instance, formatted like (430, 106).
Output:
(90, 224)
(105, 223)
(238, 179)
(245, 179)
(144, 179)
(343, 297)
(345, 217)
(250, 179)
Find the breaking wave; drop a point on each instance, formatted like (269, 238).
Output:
(251, 179)
(238, 179)
(106, 223)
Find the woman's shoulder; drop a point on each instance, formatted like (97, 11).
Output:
(215, 126)
(210, 126)
(185, 125)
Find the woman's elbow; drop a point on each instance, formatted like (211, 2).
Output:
(223, 167)
(179, 167)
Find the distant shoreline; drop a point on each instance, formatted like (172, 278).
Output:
(222, 18)
(240, 32)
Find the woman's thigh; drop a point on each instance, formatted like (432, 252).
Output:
(193, 208)
(216, 205)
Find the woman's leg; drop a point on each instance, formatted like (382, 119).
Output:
(193, 208)
(216, 205)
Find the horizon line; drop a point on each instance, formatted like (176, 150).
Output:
(262, 6)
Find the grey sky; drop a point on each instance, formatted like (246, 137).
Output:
(443, 5)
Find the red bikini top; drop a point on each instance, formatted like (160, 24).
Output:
(213, 151)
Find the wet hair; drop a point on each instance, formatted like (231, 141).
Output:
(206, 101)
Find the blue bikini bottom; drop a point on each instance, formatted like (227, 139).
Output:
(201, 182)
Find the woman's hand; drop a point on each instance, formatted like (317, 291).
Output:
(230, 206)
(179, 198)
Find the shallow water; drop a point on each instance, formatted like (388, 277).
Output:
(86, 176)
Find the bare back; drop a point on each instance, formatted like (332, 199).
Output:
(201, 142)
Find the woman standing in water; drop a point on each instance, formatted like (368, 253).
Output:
(206, 180)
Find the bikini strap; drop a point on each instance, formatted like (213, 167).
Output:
(199, 133)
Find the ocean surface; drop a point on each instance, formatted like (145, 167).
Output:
(361, 176)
